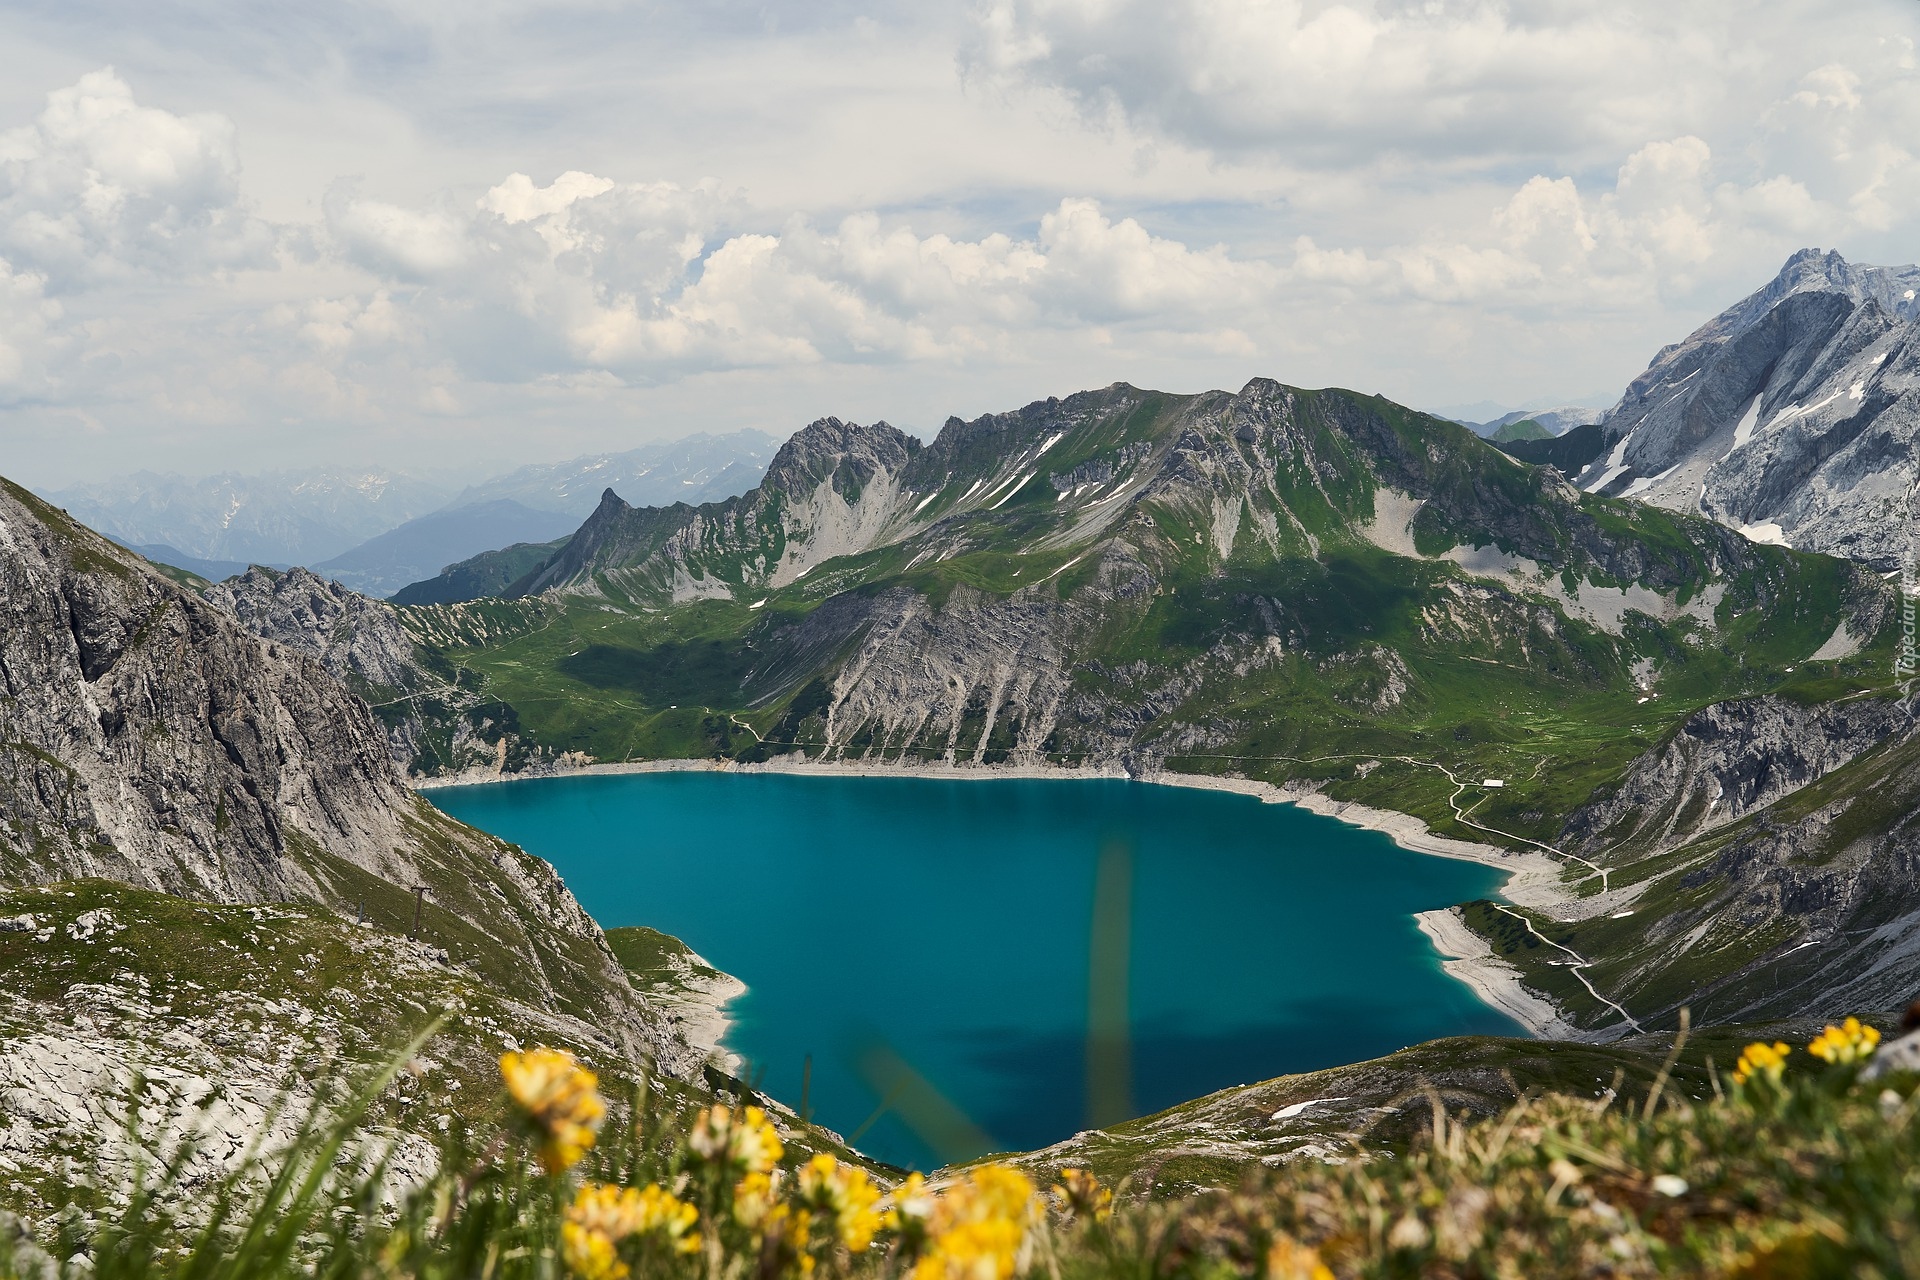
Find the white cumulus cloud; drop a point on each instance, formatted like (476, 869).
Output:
(27, 323)
(550, 225)
(1327, 83)
(100, 187)
(642, 280)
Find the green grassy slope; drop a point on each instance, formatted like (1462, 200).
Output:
(1525, 429)
(1220, 1140)
(259, 1003)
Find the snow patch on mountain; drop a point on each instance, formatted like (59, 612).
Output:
(1794, 416)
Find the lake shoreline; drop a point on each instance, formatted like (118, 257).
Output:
(699, 1010)
(1534, 880)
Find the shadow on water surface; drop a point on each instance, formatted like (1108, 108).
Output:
(1174, 1064)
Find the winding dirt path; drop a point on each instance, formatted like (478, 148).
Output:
(1579, 962)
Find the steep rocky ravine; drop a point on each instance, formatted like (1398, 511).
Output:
(150, 740)
(435, 718)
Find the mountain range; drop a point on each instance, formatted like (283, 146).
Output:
(423, 546)
(1684, 728)
(377, 531)
(279, 517)
(1318, 589)
(1546, 422)
(467, 551)
(695, 468)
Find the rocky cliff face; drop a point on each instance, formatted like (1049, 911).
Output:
(1830, 874)
(354, 638)
(435, 724)
(151, 740)
(1762, 862)
(1794, 415)
(1729, 760)
(829, 491)
(1805, 906)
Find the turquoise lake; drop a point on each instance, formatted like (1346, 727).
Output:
(899, 930)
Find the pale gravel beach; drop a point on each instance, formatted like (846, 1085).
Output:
(1468, 957)
(700, 1012)
(1534, 880)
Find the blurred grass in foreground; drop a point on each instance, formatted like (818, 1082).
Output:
(1799, 1166)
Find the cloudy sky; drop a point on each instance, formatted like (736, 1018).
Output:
(460, 233)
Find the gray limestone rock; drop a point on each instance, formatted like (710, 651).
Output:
(352, 636)
(434, 724)
(1902, 1054)
(150, 739)
(1729, 760)
(1794, 416)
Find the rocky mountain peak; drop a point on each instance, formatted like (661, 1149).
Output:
(351, 635)
(846, 452)
(1893, 289)
(1793, 416)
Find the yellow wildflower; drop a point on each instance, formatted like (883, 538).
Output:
(910, 1209)
(665, 1215)
(560, 1097)
(1288, 1259)
(847, 1196)
(992, 1189)
(911, 1199)
(753, 1200)
(1081, 1195)
(613, 1212)
(782, 1239)
(590, 1254)
(601, 1218)
(979, 1228)
(1848, 1042)
(746, 1140)
(985, 1249)
(1759, 1059)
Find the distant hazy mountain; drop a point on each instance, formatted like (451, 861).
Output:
(696, 469)
(211, 570)
(377, 531)
(1550, 423)
(699, 468)
(490, 573)
(280, 517)
(425, 546)
(1793, 416)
